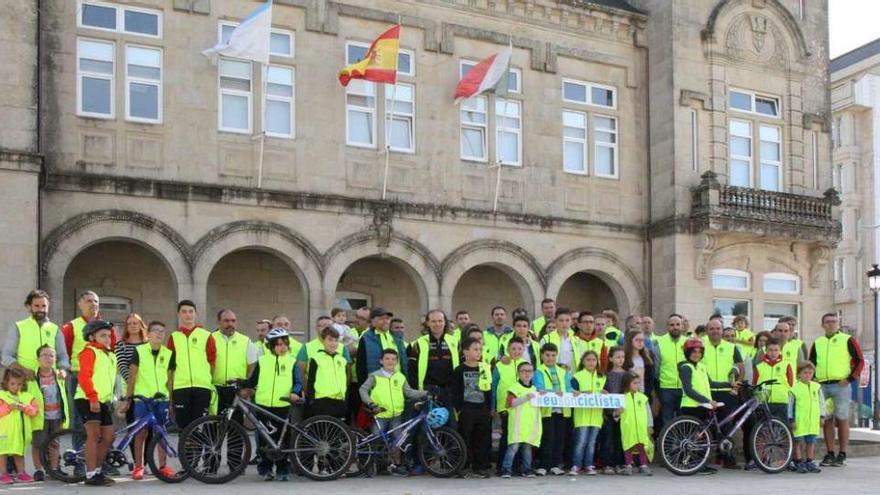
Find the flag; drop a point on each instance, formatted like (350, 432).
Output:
(490, 75)
(249, 40)
(380, 62)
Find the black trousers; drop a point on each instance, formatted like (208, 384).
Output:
(225, 397)
(190, 404)
(475, 426)
(329, 407)
(282, 465)
(553, 441)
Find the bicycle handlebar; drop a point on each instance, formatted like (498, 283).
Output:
(299, 402)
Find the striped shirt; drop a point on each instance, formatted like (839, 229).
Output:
(124, 352)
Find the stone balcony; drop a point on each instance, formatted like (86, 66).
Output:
(721, 208)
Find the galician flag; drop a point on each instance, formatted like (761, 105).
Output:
(249, 40)
(380, 62)
(490, 75)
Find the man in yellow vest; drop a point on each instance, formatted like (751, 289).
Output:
(462, 319)
(236, 357)
(433, 357)
(589, 341)
(493, 335)
(793, 350)
(671, 354)
(548, 310)
(724, 364)
(263, 327)
(27, 335)
(195, 353)
(839, 362)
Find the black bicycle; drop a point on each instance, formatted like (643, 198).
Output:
(216, 449)
(686, 442)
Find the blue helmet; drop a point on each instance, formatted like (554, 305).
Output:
(438, 417)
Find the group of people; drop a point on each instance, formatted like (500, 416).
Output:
(363, 367)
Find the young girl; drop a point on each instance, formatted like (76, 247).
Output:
(587, 421)
(636, 425)
(806, 411)
(17, 408)
(51, 394)
(611, 455)
(638, 360)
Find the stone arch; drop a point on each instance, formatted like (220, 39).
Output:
(620, 278)
(66, 241)
(773, 259)
(719, 14)
(511, 259)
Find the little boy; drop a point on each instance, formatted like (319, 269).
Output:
(51, 395)
(774, 367)
(328, 377)
(523, 422)
(556, 422)
(806, 412)
(504, 375)
(471, 391)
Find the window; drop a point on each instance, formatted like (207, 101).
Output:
(695, 142)
(727, 279)
(95, 71)
(815, 148)
(97, 16)
(730, 308)
(235, 96)
(405, 65)
(746, 101)
(838, 178)
(740, 153)
(474, 120)
(281, 42)
(839, 273)
(130, 20)
(773, 311)
(605, 144)
(143, 84)
(588, 93)
(141, 22)
(771, 158)
(508, 128)
(574, 142)
(514, 77)
(402, 128)
(360, 113)
(279, 102)
(782, 283)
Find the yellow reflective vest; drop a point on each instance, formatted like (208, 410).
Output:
(424, 346)
(671, 355)
(331, 380)
(33, 388)
(634, 421)
(700, 384)
(275, 379)
(718, 361)
(32, 336)
(152, 371)
(589, 382)
(191, 357)
(807, 408)
(387, 393)
(832, 358)
(231, 363)
(16, 427)
(78, 344)
(103, 375)
(524, 420)
(779, 371)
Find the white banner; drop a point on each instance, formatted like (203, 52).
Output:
(602, 401)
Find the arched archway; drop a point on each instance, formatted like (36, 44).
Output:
(485, 286)
(618, 277)
(585, 291)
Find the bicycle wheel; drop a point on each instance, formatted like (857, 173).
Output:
(684, 445)
(364, 459)
(214, 450)
(323, 448)
(771, 445)
(445, 454)
(63, 456)
(163, 459)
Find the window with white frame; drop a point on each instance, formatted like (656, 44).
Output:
(815, 148)
(749, 102)
(235, 96)
(605, 145)
(731, 308)
(771, 157)
(740, 145)
(279, 101)
(782, 283)
(95, 76)
(773, 311)
(406, 62)
(474, 127)
(281, 42)
(588, 93)
(360, 115)
(514, 77)
(508, 129)
(574, 142)
(118, 18)
(401, 131)
(730, 279)
(143, 84)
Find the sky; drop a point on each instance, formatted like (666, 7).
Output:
(852, 23)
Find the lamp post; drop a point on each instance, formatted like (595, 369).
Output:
(874, 284)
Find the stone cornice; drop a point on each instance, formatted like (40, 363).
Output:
(20, 161)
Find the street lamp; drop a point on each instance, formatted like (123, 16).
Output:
(874, 284)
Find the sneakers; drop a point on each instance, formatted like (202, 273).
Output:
(541, 472)
(6, 480)
(24, 478)
(801, 468)
(398, 470)
(794, 466)
(109, 470)
(625, 471)
(529, 474)
(573, 471)
(167, 472)
(481, 474)
(590, 471)
(645, 471)
(608, 470)
(505, 475)
(270, 476)
(811, 467)
(750, 466)
(557, 471)
(707, 470)
(100, 480)
(283, 477)
(840, 461)
(138, 473)
(828, 460)
(39, 475)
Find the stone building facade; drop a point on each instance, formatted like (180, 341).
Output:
(657, 156)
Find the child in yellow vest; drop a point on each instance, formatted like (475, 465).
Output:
(552, 378)
(51, 394)
(587, 421)
(328, 377)
(503, 376)
(773, 366)
(523, 422)
(636, 425)
(17, 410)
(806, 412)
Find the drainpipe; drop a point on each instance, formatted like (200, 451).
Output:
(39, 144)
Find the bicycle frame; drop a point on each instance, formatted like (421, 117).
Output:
(148, 421)
(248, 409)
(403, 431)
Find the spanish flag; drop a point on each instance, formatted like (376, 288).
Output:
(380, 63)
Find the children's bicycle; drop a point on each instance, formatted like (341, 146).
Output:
(216, 449)
(686, 442)
(63, 452)
(440, 449)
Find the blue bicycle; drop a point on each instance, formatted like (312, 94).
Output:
(63, 452)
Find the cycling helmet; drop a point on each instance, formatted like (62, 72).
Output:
(437, 417)
(691, 345)
(275, 334)
(95, 325)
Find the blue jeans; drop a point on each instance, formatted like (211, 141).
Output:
(76, 422)
(670, 403)
(584, 446)
(525, 455)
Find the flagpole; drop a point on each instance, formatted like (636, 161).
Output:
(388, 126)
(265, 76)
(498, 154)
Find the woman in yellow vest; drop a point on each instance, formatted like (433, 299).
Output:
(17, 410)
(524, 422)
(51, 393)
(94, 397)
(587, 420)
(806, 412)
(328, 377)
(636, 425)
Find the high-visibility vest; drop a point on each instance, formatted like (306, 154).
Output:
(32, 336)
(718, 361)
(590, 382)
(548, 383)
(484, 382)
(275, 379)
(595, 345)
(612, 334)
(191, 359)
(331, 381)
(778, 392)
(791, 352)
(33, 388)
(806, 408)
(744, 334)
(538, 324)
(231, 363)
(16, 427)
(671, 355)
(152, 372)
(576, 348)
(492, 345)
(524, 420)
(832, 358)
(634, 420)
(387, 393)
(505, 344)
(79, 342)
(424, 345)
(103, 375)
(506, 376)
(700, 384)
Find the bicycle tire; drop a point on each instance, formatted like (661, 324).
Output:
(198, 439)
(364, 460)
(678, 440)
(453, 453)
(323, 448)
(778, 433)
(66, 457)
(152, 449)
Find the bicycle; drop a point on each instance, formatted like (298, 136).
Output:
(442, 451)
(63, 452)
(685, 443)
(216, 449)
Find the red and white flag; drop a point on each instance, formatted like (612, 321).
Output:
(490, 75)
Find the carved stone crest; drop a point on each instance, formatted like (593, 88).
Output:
(819, 258)
(759, 31)
(755, 39)
(705, 245)
(382, 216)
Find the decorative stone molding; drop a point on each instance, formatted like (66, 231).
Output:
(690, 97)
(820, 256)
(19, 161)
(348, 243)
(705, 245)
(811, 119)
(382, 217)
(789, 23)
(623, 281)
(455, 258)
